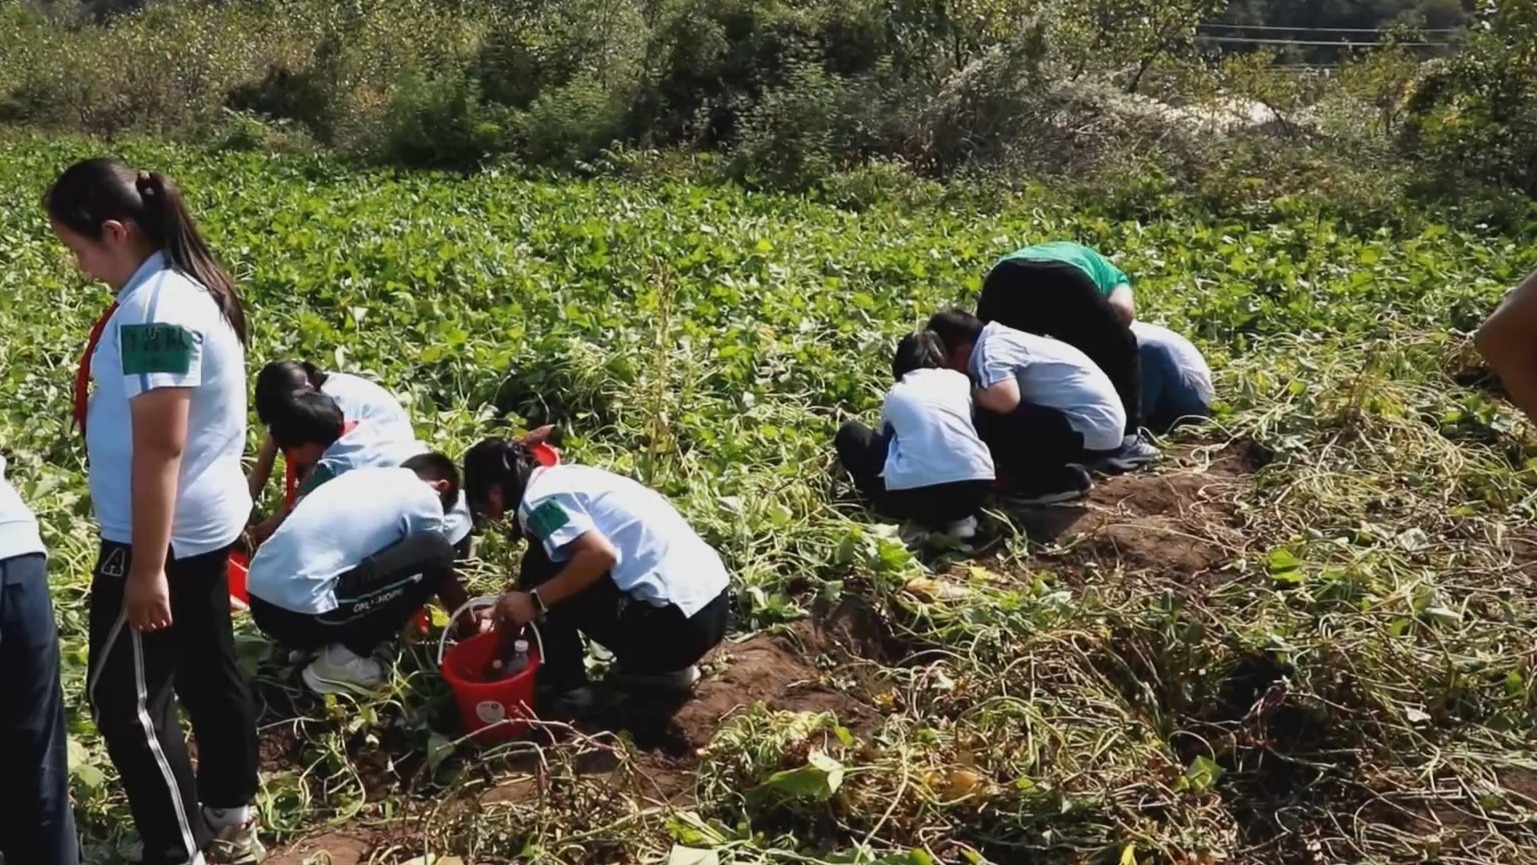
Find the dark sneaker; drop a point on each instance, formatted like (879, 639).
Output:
(1135, 452)
(1054, 487)
(679, 681)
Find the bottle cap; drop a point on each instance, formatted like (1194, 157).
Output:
(520, 646)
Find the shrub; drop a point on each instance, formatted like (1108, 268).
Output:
(439, 122)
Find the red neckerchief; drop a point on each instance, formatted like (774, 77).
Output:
(83, 374)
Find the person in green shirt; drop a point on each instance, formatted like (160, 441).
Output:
(1072, 293)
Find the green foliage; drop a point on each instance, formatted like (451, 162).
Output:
(1359, 642)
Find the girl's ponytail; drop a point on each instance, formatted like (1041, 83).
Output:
(497, 463)
(185, 248)
(90, 193)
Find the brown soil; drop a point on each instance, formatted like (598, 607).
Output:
(1179, 521)
(329, 848)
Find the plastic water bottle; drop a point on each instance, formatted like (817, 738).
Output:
(510, 665)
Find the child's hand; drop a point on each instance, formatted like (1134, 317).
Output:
(516, 609)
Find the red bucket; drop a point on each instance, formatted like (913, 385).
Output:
(490, 711)
(546, 455)
(239, 567)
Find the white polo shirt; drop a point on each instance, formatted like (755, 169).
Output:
(334, 529)
(933, 440)
(661, 559)
(168, 332)
(369, 446)
(367, 402)
(1054, 374)
(18, 525)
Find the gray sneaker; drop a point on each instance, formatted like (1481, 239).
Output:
(237, 843)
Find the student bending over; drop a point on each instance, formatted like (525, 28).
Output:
(314, 434)
(926, 465)
(1044, 408)
(607, 558)
(1176, 382)
(1073, 293)
(361, 401)
(356, 559)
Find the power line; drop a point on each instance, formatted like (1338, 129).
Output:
(1324, 43)
(1443, 31)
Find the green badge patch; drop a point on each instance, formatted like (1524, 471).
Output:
(152, 348)
(547, 519)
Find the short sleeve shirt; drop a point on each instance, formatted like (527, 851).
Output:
(1107, 277)
(334, 529)
(367, 402)
(370, 446)
(933, 439)
(1054, 374)
(661, 559)
(168, 332)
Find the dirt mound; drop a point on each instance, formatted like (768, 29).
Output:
(1180, 520)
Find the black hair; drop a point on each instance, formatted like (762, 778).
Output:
(954, 327)
(497, 462)
(919, 350)
(437, 467)
(90, 193)
(307, 417)
(278, 381)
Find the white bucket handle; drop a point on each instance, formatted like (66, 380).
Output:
(476, 604)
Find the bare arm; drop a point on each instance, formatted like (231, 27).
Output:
(1124, 304)
(1508, 341)
(592, 556)
(262, 471)
(159, 420)
(1001, 398)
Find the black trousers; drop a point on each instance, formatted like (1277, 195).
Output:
(373, 601)
(133, 678)
(863, 453)
(643, 638)
(1056, 299)
(1031, 440)
(37, 823)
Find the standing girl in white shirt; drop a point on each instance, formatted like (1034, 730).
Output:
(926, 464)
(165, 429)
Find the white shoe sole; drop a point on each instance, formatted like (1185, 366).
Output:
(662, 682)
(336, 686)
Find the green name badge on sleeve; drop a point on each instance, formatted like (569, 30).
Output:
(156, 348)
(547, 519)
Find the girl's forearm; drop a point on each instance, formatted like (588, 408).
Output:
(155, 474)
(586, 567)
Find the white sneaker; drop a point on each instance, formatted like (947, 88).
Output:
(338, 671)
(237, 841)
(964, 530)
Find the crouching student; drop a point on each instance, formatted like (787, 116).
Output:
(317, 438)
(607, 558)
(37, 824)
(926, 465)
(1176, 382)
(356, 559)
(1043, 408)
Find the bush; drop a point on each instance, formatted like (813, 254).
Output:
(570, 124)
(439, 122)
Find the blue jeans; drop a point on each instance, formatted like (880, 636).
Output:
(1168, 395)
(36, 821)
